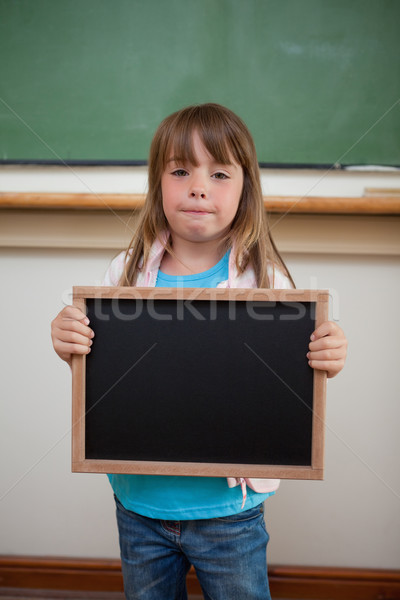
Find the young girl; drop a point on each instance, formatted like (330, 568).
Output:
(203, 225)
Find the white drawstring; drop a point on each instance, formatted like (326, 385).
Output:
(244, 490)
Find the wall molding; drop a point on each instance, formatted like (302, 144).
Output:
(112, 230)
(104, 576)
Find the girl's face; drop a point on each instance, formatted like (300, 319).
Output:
(200, 202)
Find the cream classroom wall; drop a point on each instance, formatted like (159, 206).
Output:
(350, 519)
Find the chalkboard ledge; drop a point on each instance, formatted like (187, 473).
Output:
(379, 203)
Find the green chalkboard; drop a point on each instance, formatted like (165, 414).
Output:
(317, 81)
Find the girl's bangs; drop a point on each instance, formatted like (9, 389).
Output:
(215, 136)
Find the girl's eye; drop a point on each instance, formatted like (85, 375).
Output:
(179, 172)
(220, 175)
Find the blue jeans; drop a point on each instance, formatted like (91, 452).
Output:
(228, 553)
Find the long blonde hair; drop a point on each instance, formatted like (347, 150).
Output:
(225, 136)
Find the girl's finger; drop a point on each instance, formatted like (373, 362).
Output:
(72, 312)
(332, 367)
(328, 354)
(73, 337)
(65, 348)
(327, 342)
(77, 326)
(328, 328)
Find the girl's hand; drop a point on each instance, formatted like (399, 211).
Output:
(70, 333)
(328, 348)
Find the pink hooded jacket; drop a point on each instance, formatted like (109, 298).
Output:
(148, 278)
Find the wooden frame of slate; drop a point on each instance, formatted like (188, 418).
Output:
(203, 382)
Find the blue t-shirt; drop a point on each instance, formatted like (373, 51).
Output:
(176, 497)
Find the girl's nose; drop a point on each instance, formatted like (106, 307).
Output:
(198, 193)
(198, 188)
